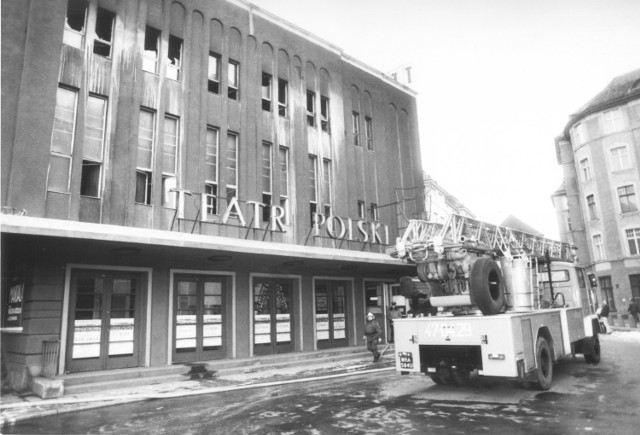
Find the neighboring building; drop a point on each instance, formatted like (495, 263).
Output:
(597, 203)
(192, 180)
(516, 224)
(439, 203)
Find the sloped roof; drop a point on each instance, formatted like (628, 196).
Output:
(516, 224)
(620, 89)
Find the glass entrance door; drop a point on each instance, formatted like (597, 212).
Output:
(104, 320)
(331, 314)
(272, 316)
(199, 318)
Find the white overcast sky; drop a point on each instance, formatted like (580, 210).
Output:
(497, 81)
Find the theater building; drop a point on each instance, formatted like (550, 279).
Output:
(192, 180)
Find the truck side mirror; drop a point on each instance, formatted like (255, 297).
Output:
(593, 280)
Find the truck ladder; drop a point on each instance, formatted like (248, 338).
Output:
(472, 234)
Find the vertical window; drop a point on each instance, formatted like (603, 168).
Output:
(368, 131)
(580, 133)
(361, 209)
(598, 247)
(211, 182)
(213, 84)
(591, 206)
(266, 92)
(355, 118)
(151, 49)
(93, 151)
(266, 181)
(373, 211)
(283, 161)
(607, 291)
(569, 228)
(324, 114)
(619, 158)
(234, 80)
(232, 166)
(170, 161)
(627, 197)
(311, 109)
(313, 185)
(144, 158)
(326, 186)
(612, 121)
(104, 33)
(174, 56)
(283, 97)
(64, 124)
(75, 23)
(633, 239)
(585, 169)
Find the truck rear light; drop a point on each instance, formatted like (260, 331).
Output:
(498, 356)
(431, 369)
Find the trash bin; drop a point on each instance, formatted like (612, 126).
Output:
(50, 353)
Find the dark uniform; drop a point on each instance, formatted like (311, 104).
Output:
(372, 333)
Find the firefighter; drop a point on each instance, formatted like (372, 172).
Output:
(372, 334)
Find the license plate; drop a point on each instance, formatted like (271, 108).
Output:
(406, 360)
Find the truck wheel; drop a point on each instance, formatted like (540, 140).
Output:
(594, 357)
(460, 377)
(487, 286)
(439, 379)
(544, 360)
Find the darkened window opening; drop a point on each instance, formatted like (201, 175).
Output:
(75, 14)
(90, 179)
(143, 187)
(151, 43)
(266, 92)
(175, 57)
(368, 127)
(282, 98)
(233, 79)
(104, 32)
(266, 210)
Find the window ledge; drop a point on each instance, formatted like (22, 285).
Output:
(629, 214)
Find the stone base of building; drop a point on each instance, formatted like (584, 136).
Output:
(47, 388)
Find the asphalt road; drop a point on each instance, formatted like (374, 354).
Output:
(598, 399)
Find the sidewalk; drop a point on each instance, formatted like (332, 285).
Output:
(15, 407)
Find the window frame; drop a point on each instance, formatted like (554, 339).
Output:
(93, 160)
(213, 80)
(585, 170)
(284, 193)
(311, 108)
(72, 37)
(231, 189)
(147, 59)
(142, 170)
(355, 120)
(233, 80)
(633, 234)
(283, 98)
(56, 152)
(103, 43)
(170, 177)
(325, 114)
(619, 159)
(266, 177)
(327, 186)
(592, 208)
(174, 70)
(373, 212)
(368, 131)
(612, 121)
(267, 92)
(212, 159)
(630, 205)
(313, 185)
(361, 209)
(599, 252)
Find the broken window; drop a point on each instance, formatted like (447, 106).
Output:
(151, 47)
(104, 33)
(214, 73)
(283, 98)
(174, 55)
(75, 23)
(266, 92)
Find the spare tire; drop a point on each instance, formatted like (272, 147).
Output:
(487, 286)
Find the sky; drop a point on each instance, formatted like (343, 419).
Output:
(497, 81)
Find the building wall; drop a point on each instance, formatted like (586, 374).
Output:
(592, 170)
(37, 63)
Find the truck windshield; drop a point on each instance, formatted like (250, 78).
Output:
(556, 276)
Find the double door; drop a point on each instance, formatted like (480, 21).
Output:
(105, 327)
(331, 314)
(199, 318)
(272, 316)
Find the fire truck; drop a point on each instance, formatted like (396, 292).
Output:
(491, 300)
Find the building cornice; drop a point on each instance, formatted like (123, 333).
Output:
(33, 226)
(286, 25)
